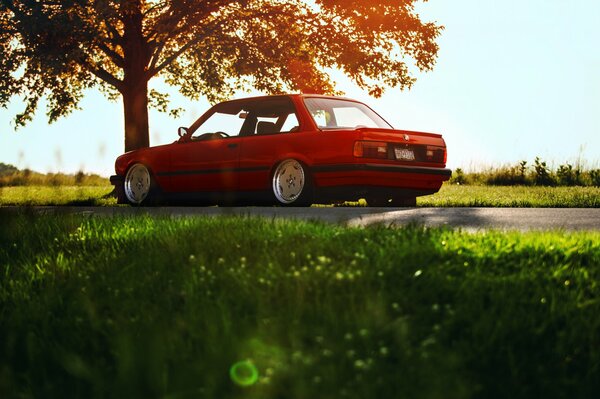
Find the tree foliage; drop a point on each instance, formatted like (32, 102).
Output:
(211, 48)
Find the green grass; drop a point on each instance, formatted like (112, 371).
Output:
(166, 307)
(56, 195)
(451, 195)
(513, 196)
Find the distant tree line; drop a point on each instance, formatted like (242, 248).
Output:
(10, 175)
(537, 174)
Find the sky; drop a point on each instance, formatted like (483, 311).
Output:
(514, 80)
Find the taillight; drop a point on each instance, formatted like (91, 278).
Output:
(370, 149)
(435, 154)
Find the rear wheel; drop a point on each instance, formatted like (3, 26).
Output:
(387, 201)
(291, 183)
(138, 185)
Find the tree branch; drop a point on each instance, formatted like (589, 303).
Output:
(102, 74)
(116, 38)
(157, 51)
(153, 71)
(112, 54)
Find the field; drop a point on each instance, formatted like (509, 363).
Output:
(249, 308)
(56, 195)
(451, 195)
(513, 196)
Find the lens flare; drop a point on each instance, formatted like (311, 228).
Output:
(244, 373)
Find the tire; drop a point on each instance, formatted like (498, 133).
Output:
(292, 184)
(138, 185)
(386, 201)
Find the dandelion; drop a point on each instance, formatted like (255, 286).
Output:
(360, 364)
(323, 259)
(418, 273)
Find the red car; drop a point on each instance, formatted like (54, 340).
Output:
(288, 150)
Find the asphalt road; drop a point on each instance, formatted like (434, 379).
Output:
(464, 218)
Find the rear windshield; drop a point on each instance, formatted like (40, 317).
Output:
(333, 113)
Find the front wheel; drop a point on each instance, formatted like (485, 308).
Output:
(292, 185)
(138, 185)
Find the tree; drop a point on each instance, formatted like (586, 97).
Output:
(59, 48)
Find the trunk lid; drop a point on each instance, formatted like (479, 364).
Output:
(407, 147)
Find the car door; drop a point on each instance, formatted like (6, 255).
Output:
(205, 166)
(271, 137)
(209, 159)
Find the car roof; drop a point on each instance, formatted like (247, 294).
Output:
(266, 103)
(281, 96)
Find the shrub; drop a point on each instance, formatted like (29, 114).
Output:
(7, 169)
(595, 177)
(458, 177)
(542, 175)
(568, 176)
(508, 175)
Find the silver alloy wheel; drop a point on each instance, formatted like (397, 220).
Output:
(288, 181)
(137, 183)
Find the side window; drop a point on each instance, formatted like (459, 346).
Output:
(266, 125)
(276, 124)
(322, 118)
(291, 124)
(231, 124)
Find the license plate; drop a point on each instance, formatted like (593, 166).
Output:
(404, 154)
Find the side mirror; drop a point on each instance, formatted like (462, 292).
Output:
(182, 131)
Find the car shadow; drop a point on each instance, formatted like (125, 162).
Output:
(467, 218)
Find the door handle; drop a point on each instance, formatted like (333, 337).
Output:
(232, 145)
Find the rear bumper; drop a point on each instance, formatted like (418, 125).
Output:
(395, 177)
(116, 180)
(402, 169)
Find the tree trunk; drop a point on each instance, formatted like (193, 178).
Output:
(135, 105)
(135, 79)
